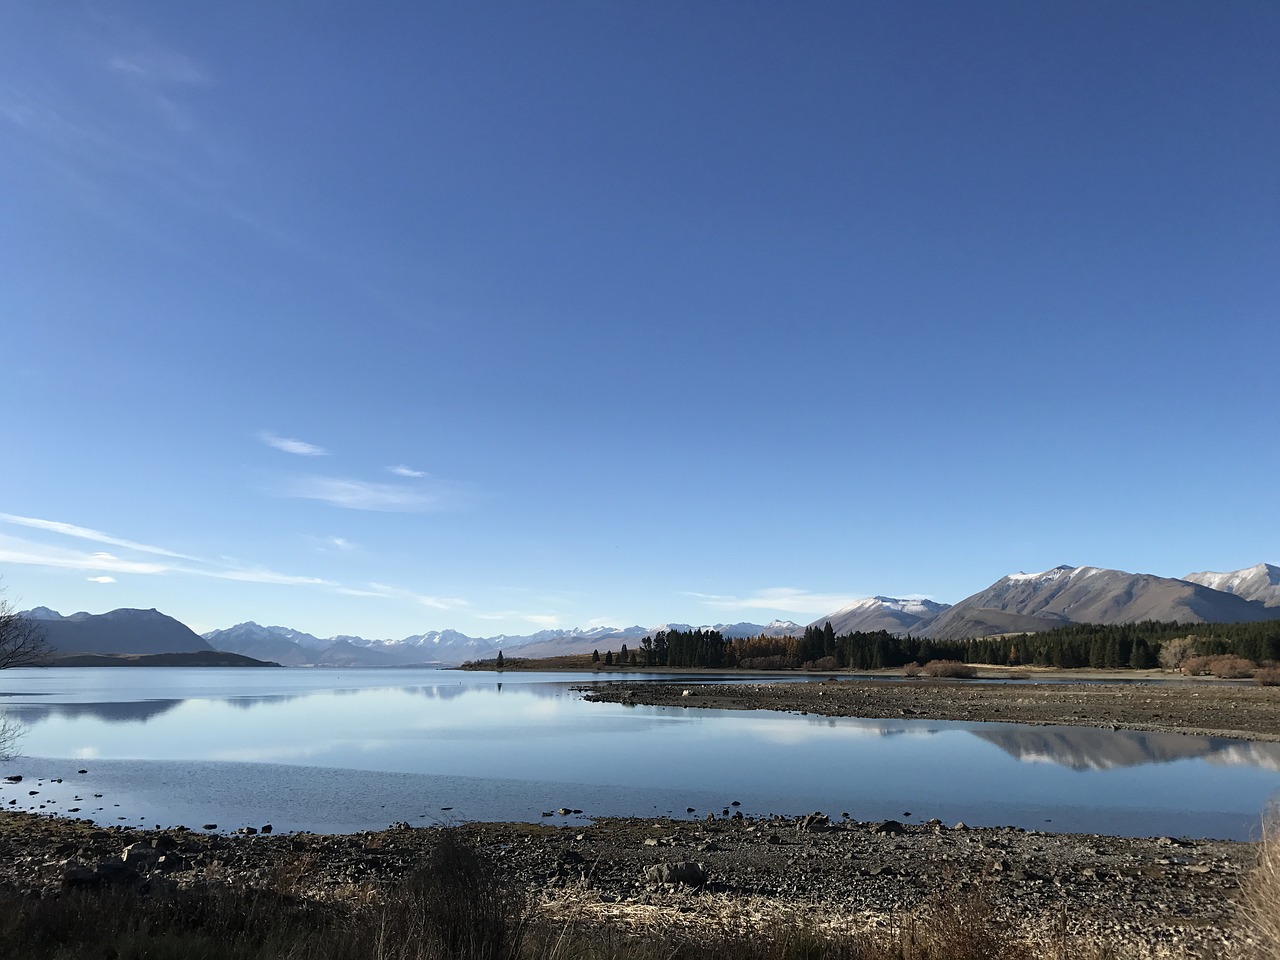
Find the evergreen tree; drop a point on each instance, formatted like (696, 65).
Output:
(608, 658)
(595, 656)
(500, 660)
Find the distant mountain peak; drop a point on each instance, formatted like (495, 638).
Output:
(1047, 576)
(1260, 583)
(42, 613)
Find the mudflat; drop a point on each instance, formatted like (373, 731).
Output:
(1237, 709)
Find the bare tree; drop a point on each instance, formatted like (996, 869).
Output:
(10, 732)
(22, 642)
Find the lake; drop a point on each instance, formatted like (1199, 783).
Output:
(348, 750)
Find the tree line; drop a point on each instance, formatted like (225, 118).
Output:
(1114, 646)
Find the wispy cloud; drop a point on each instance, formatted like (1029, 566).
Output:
(402, 471)
(785, 599)
(86, 533)
(548, 621)
(400, 593)
(102, 564)
(262, 575)
(23, 552)
(366, 495)
(159, 66)
(289, 445)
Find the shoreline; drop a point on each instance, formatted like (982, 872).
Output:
(1224, 709)
(1145, 894)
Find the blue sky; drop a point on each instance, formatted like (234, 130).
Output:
(383, 318)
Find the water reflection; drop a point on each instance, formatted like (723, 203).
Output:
(154, 734)
(1090, 748)
(1076, 748)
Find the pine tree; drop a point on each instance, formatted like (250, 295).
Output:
(500, 660)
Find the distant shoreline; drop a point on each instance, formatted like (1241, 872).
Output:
(1228, 709)
(199, 658)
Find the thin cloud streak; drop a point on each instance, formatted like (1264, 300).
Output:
(22, 552)
(787, 599)
(402, 471)
(298, 448)
(28, 553)
(387, 591)
(86, 533)
(102, 579)
(364, 495)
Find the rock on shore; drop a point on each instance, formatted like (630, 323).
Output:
(1147, 892)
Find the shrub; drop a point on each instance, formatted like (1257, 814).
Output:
(911, 670)
(951, 669)
(1231, 667)
(1267, 676)
(1196, 666)
(825, 664)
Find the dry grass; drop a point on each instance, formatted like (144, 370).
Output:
(1260, 896)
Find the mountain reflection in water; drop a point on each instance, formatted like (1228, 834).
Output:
(1092, 748)
(351, 750)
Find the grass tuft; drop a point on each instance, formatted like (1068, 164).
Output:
(1260, 895)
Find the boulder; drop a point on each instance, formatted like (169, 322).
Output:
(814, 823)
(681, 872)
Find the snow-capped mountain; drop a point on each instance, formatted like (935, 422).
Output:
(448, 647)
(1261, 582)
(282, 645)
(882, 613)
(1022, 602)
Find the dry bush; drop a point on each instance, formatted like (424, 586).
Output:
(1267, 676)
(1196, 666)
(1260, 896)
(824, 664)
(951, 669)
(911, 670)
(1231, 667)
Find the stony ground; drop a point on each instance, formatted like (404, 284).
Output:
(1241, 710)
(1149, 894)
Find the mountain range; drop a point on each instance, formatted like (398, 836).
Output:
(119, 631)
(1019, 602)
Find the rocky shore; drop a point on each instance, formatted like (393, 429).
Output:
(1149, 895)
(1237, 710)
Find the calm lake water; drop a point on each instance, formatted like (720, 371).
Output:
(347, 750)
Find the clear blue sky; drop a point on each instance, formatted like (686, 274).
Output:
(382, 318)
